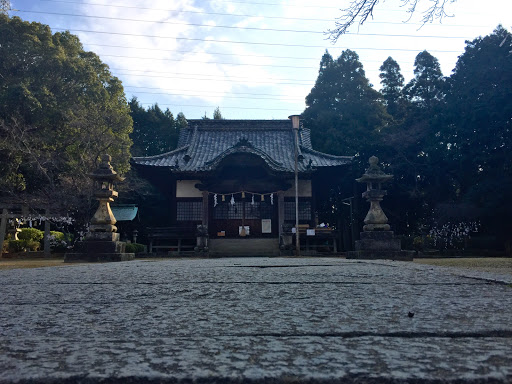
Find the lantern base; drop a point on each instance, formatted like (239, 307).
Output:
(381, 255)
(379, 245)
(99, 247)
(97, 257)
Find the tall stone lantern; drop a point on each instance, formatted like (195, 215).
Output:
(374, 177)
(377, 241)
(102, 241)
(103, 220)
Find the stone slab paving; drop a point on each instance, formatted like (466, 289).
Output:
(255, 320)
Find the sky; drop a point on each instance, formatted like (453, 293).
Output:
(254, 59)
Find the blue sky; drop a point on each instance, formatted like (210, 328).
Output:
(254, 59)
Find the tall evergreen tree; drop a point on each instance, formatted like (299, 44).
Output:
(217, 115)
(181, 121)
(427, 89)
(478, 133)
(345, 115)
(392, 85)
(154, 131)
(343, 110)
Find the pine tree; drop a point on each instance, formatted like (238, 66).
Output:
(217, 115)
(392, 85)
(154, 131)
(343, 110)
(427, 89)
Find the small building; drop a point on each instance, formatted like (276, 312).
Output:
(237, 177)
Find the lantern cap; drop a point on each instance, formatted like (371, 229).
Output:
(105, 171)
(374, 173)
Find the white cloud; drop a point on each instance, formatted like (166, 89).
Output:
(180, 64)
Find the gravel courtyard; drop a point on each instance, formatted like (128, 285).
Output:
(255, 320)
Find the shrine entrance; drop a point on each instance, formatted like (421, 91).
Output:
(258, 216)
(243, 198)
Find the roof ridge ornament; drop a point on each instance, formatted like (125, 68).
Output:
(243, 142)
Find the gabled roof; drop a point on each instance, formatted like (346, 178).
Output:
(205, 143)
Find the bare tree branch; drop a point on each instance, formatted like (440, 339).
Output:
(360, 10)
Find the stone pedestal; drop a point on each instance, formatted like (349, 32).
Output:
(379, 245)
(97, 247)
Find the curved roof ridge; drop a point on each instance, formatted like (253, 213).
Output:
(240, 124)
(246, 149)
(192, 141)
(327, 155)
(155, 157)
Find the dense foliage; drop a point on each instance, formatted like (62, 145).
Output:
(60, 109)
(447, 140)
(154, 131)
(343, 110)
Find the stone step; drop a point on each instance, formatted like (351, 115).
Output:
(244, 247)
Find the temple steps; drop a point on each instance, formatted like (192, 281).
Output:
(248, 247)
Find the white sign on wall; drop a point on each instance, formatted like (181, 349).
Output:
(266, 226)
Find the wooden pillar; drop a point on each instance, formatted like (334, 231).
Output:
(47, 233)
(3, 227)
(313, 203)
(173, 206)
(205, 209)
(280, 211)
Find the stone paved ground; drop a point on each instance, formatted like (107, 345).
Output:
(255, 320)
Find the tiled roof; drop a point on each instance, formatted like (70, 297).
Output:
(204, 143)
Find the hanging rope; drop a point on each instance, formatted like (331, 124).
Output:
(242, 193)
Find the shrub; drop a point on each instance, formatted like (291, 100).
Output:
(58, 235)
(16, 245)
(32, 245)
(58, 241)
(134, 248)
(31, 234)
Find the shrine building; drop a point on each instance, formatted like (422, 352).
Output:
(237, 178)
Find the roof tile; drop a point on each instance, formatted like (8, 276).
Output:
(205, 141)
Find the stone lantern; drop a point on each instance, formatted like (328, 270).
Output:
(374, 177)
(104, 178)
(102, 241)
(377, 241)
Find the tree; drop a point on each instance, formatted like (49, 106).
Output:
(478, 134)
(362, 9)
(154, 131)
(392, 84)
(345, 115)
(427, 89)
(217, 115)
(343, 111)
(60, 109)
(181, 121)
